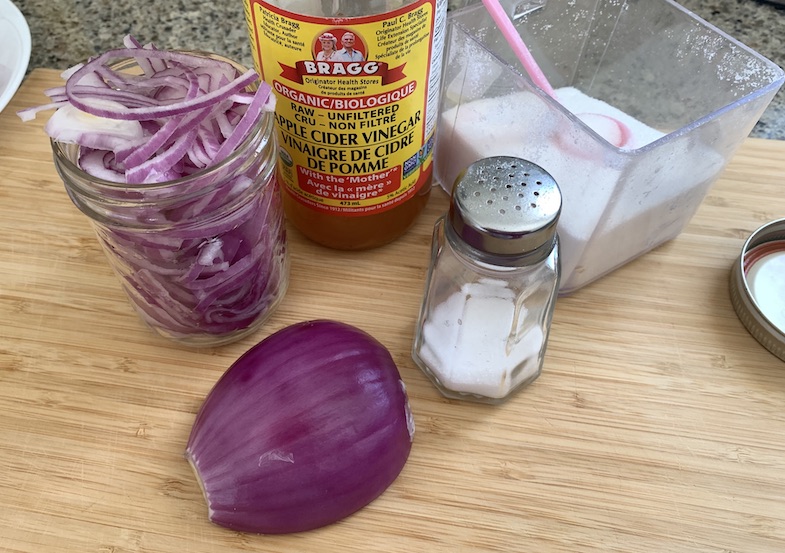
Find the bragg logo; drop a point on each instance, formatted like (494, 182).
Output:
(342, 69)
(336, 68)
(348, 60)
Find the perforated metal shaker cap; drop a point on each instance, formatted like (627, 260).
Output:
(505, 206)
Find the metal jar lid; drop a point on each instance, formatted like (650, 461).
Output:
(757, 286)
(505, 206)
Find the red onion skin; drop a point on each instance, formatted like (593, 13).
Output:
(307, 427)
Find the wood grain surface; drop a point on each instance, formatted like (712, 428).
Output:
(658, 424)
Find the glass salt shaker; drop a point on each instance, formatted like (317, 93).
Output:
(493, 281)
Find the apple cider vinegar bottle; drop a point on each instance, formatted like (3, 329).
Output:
(357, 91)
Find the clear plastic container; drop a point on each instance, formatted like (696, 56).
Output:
(201, 276)
(688, 95)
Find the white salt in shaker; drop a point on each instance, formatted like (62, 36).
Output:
(493, 281)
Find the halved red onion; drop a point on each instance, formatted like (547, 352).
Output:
(307, 427)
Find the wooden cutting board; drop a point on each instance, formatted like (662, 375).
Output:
(658, 424)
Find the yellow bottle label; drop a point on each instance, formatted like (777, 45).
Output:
(357, 102)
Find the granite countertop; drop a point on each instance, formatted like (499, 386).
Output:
(65, 32)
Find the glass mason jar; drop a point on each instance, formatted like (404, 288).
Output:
(203, 258)
(493, 282)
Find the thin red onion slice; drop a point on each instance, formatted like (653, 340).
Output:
(203, 93)
(69, 124)
(207, 99)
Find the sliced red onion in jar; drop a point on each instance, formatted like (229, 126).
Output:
(209, 259)
(307, 427)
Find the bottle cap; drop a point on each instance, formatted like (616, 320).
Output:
(505, 206)
(757, 286)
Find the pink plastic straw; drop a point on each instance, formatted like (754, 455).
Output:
(499, 15)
